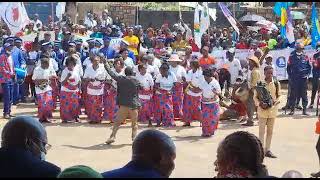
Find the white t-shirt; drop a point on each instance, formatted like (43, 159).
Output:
(157, 62)
(179, 72)
(234, 68)
(40, 73)
(74, 76)
(208, 88)
(129, 62)
(166, 83)
(146, 82)
(195, 79)
(87, 62)
(153, 69)
(100, 74)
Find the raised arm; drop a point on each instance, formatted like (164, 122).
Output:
(110, 72)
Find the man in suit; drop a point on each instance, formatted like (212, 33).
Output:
(23, 148)
(153, 155)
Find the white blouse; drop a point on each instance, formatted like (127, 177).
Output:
(166, 83)
(74, 76)
(146, 82)
(179, 72)
(194, 79)
(100, 74)
(40, 73)
(208, 90)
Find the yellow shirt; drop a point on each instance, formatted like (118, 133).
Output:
(270, 112)
(255, 77)
(133, 40)
(179, 45)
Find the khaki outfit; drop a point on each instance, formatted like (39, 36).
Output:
(267, 116)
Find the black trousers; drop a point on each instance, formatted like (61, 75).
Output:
(315, 86)
(298, 87)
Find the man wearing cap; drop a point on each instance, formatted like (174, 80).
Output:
(60, 54)
(7, 76)
(233, 65)
(91, 43)
(255, 77)
(19, 60)
(107, 51)
(315, 74)
(266, 62)
(299, 69)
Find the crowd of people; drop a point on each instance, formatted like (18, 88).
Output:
(156, 76)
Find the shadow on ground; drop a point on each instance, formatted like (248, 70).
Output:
(99, 146)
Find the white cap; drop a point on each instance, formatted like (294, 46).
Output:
(231, 50)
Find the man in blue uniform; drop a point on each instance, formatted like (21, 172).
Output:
(299, 69)
(60, 54)
(19, 60)
(315, 75)
(107, 51)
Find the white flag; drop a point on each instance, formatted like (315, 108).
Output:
(14, 14)
(60, 9)
(196, 27)
(188, 4)
(205, 19)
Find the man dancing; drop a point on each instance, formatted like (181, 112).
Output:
(127, 99)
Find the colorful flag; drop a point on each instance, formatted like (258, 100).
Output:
(228, 15)
(14, 14)
(277, 7)
(205, 19)
(315, 28)
(60, 9)
(196, 27)
(289, 27)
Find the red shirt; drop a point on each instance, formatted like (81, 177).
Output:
(242, 46)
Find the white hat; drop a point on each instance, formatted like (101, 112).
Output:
(231, 50)
(268, 56)
(174, 58)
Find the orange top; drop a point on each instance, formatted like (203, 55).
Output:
(207, 61)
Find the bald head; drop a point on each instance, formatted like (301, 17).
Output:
(19, 129)
(156, 148)
(292, 174)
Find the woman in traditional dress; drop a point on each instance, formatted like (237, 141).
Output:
(95, 75)
(178, 94)
(192, 97)
(110, 93)
(145, 94)
(163, 105)
(41, 77)
(210, 103)
(70, 93)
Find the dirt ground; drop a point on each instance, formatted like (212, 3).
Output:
(293, 142)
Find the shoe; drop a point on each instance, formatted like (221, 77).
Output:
(6, 116)
(304, 112)
(270, 155)
(310, 107)
(299, 107)
(291, 112)
(285, 107)
(110, 140)
(247, 124)
(316, 175)
(12, 115)
(186, 124)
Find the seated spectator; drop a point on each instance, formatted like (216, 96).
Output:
(153, 155)
(23, 149)
(240, 155)
(79, 171)
(179, 44)
(292, 174)
(206, 61)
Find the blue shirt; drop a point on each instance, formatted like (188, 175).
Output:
(17, 162)
(18, 57)
(134, 169)
(108, 52)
